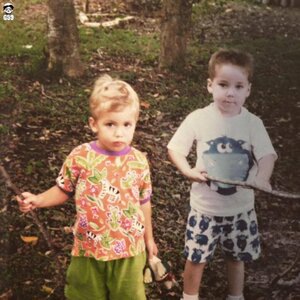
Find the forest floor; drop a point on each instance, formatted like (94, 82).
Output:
(42, 120)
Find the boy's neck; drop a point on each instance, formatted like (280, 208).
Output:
(227, 115)
(100, 150)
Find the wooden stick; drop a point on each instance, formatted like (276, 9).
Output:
(277, 279)
(16, 191)
(253, 186)
(42, 229)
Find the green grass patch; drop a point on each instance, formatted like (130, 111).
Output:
(23, 40)
(119, 42)
(17, 40)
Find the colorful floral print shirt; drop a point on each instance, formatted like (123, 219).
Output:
(108, 188)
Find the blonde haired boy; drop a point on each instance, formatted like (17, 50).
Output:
(110, 182)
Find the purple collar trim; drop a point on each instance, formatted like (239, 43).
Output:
(95, 147)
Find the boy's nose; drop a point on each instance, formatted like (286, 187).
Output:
(230, 91)
(118, 132)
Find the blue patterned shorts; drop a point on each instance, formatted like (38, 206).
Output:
(238, 236)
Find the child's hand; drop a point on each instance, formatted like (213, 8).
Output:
(196, 175)
(262, 183)
(151, 248)
(29, 203)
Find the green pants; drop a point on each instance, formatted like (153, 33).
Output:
(90, 279)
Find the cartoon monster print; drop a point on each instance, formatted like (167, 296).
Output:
(242, 241)
(227, 158)
(245, 256)
(253, 227)
(255, 244)
(229, 244)
(204, 224)
(241, 225)
(192, 221)
(216, 230)
(218, 219)
(229, 219)
(189, 234)
(197, 255)
(201, 239)
(227, 229)
(186, 251)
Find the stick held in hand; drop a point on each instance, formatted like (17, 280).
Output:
(252, 186)
(11, 186)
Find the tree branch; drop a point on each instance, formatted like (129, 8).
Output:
(253, 186)
(42, 229)
(16, 191)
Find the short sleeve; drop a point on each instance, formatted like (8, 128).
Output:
(184, 137)
(260, 140)
(68, 175)
(145, 186)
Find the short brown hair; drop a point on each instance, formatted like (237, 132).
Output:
(231, 56)
(112, 95)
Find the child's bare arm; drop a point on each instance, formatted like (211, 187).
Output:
(265, 169)
(183, 166)
(53, 196)
(149, 240)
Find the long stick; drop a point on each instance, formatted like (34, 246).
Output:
(253, 186)
(42, 229)
(16, 191)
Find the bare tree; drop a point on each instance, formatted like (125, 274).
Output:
(63, 39)
(175, 26)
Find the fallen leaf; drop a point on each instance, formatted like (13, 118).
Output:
(145, 104)
(6, 295)
(47, 289)
(29, 239)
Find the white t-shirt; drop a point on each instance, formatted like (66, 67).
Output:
(234, 144)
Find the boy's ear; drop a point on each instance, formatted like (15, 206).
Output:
(209, 85)
(249, 89)
(92, 123)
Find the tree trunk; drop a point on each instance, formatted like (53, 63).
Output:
(63, 39)
(175, 26)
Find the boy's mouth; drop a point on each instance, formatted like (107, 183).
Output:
(118, 144)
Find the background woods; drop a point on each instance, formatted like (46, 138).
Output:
(175, 28)
(63, 39)
(43, 118)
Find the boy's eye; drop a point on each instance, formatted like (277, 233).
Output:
(222, 84)
(110, 124)
(127, 124)
(239, 86)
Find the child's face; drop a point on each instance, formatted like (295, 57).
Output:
(115, 130)
(230, 87)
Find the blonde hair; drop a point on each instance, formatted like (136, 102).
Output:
(112, 95)
(231, 56)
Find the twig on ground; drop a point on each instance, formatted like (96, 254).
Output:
(278, 279)
(253, 186)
